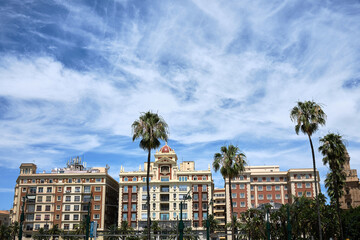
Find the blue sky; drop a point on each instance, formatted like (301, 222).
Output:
(74, 75)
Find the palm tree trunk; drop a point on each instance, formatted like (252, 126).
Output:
(226, 237)
(338, 210)
(232, 212)
(148, 195)
(316, 188)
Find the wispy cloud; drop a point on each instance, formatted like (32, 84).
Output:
(75, 75)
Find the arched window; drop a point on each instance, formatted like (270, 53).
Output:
(134, 179)
(125, 179)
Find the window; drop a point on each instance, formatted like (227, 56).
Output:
(299, 194)
(233, 195)
(269, 196)
(98, 180)
(96, 207)
(125, 207)
(76, 217)
(59, 198)
(97, 197)
(268, 179)
(308, 185)
(38, 217)
(164, 179)
(77, 198)
(143, 197)
(48, 198)
(252, 197)
(68, 199)
(299, 185)
(174, 206)
(154, 215)
(164, 216)
(277, 188)
(298, 177)
(154, 196)
(133, 216)
(260, 179)
(261, 197)
(134, 189)
(76, 208)
(96, 216)
(133, 207)
(49, 189)
(277, 196)
(39, 198)
(57, 217)
(286, 196)
(165, 169)
(144, 188)
(196, 188)
(308, 194)
(42, 180)
(196, 206)
(276, 179)
(184, 215)
(307, 176)
(285, 187)
(37, 226)
(233, 186)
(242, 186)
(268, 188)
(124, 216)
(66, 226)
(195, 178)
(58, 207)
(234, 204)
(47, 208)
(125, 198)
(125, 179)
(183, 188)
(260, 188)
(40, 189)
(204, 178)
(242, 195)
(174, 215)
(66, 217)
(59, 189)
(204, 196)
(38, 208)
(196, 216)
(125, 189)
(204, 206)
(143, 206)
(241, 177)
(242, 204)
(252, 188)
(67, 207)
(184, 206)
(77, 189)
(174, 196)
(143, 215)
(183, 178)
(69, 180)
(87, 189)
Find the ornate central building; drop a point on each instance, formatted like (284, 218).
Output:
(169, 184)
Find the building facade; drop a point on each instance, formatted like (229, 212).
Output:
(219, 208)
(4, 218)
(169, 183)
(351, 196)
(62, 197)
(259, 185)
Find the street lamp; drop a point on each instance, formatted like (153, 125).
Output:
(267, 219)
(22, 216)
(181, 223)
(207, 220)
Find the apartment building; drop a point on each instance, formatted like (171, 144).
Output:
(61, 197)
(219, 206)
(267, 184)
(169, 184)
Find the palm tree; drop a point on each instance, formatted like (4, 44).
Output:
(14, 229)
(150, 127)
(213, 223)
(308, 116)
(231, 162)
(54, 231)
(335, 155)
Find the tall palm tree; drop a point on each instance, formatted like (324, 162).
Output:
(14, 229)
(231, 162)
(150, 127)
(334, 151)
(308, 116)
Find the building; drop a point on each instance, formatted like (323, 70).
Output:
(169, 183)
(219, 208)
(267, 184)
(351, 197)
(62, 197)
(4, 218)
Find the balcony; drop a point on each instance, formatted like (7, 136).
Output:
(164, 189)
(164, 207)
(164, 197)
